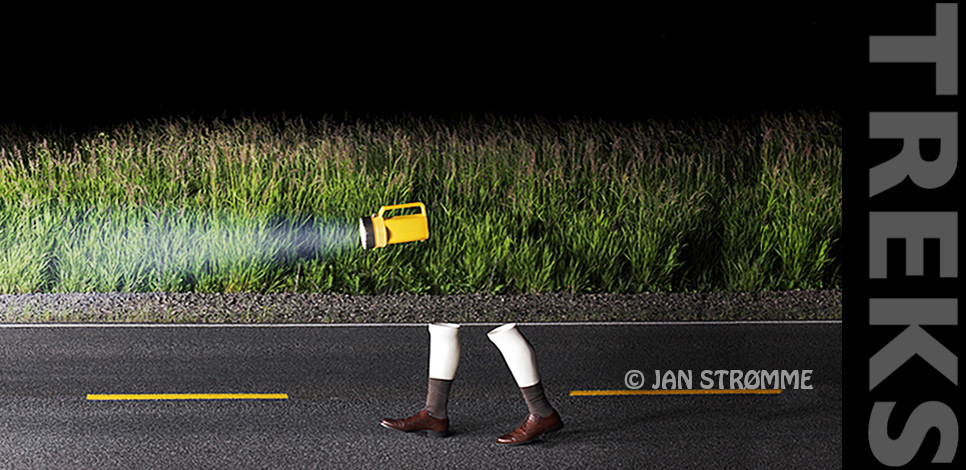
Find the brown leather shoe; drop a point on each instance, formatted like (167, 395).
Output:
(532, 427)
(419, 422)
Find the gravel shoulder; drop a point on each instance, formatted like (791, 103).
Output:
(400, 308)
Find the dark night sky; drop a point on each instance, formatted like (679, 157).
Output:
(613, 63)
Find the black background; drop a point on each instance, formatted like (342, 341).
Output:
(607, 62)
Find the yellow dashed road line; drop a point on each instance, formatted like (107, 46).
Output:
(189, 396)
(601, 393)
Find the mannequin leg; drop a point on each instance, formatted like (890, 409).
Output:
(519, 357)
(444, 355)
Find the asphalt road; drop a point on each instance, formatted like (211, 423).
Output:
(340, 380)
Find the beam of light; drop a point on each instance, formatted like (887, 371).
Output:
(143, 249)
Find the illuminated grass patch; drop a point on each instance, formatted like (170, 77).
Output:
(515, 205)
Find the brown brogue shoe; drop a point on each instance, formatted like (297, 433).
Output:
(419, 422)
(532, 427)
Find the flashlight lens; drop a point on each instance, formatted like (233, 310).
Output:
(366, 234)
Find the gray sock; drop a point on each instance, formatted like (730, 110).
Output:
(537, 400)
(437, 396)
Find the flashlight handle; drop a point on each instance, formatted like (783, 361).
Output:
(420, 205)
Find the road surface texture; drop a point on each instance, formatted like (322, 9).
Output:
(341, 380)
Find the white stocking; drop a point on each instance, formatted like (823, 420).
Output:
(444, 350)
(518, 354)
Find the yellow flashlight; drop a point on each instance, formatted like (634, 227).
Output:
(377, 231)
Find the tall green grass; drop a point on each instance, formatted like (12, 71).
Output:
(515, 205)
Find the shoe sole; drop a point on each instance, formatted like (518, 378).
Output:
(549, 430)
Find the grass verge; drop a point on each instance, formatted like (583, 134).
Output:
(269, 205)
